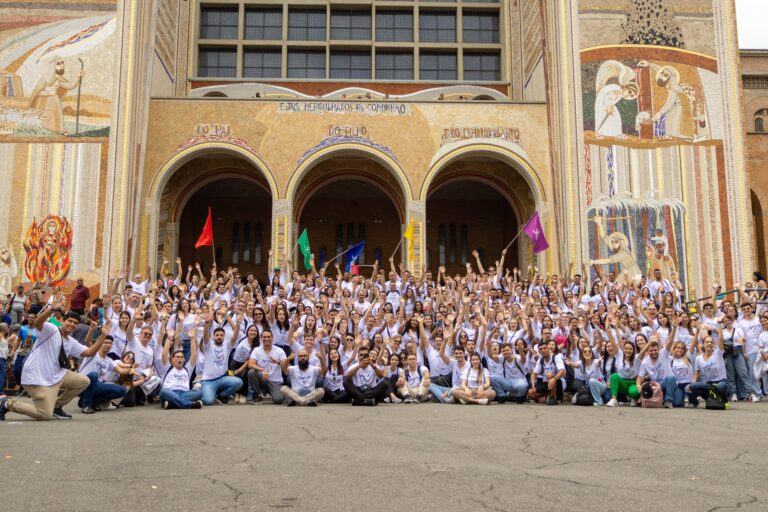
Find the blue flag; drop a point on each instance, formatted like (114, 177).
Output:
(354, 254)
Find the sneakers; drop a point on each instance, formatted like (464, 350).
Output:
(198, 404)
(88, 410)
(502, 399)
(667, 404)
(633, 402)
(409, 400)
(291, 403)
(574, 399)
(755, 399)
(396, 400)
(166, 405)
(3, 407)
(612, 403)
(311, 403)
(356, 402)
(734, 398)
(551, 401)
(595, 404)
(225, 400)
(370, 402)
(483, 401)
(59, 414)
(254, 401)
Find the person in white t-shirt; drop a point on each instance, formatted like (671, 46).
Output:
(46, 376)
(546, 376)
(302, 390)
(361, 383)
(176, 393)
(414, 384)
(709, 371)
(475, 384)
(216, 382)
(264, 375)
(101, 370)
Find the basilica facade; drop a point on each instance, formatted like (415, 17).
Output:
(620, 122)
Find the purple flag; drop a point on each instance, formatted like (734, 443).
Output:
(535, 232)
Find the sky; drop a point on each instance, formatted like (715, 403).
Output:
(751, 16)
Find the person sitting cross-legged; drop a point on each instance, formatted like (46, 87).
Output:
(302, 390)
(175, 393)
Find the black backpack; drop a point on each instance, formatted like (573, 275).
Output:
(714, 401)
(584, 396)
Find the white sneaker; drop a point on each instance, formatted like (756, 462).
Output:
(574, 398)
(633, 402)
(483, 401)
(396, 400)
(613, 403)
(755, 399)
(595, 404)
(734, 398)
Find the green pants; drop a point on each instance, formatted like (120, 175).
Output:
(621, 386)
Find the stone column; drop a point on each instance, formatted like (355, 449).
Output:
(283, 236)
(416, 211)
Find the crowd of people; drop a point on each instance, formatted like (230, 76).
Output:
(191, 340)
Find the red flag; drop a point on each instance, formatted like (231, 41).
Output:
(355, 270)
(206, 237)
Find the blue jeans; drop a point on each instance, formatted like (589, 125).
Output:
(504, 387)
(186, 347)
(678, 397)
(755, 382)
(98, 392)
(669, 385)
(180, 399)
(600, 391)
(701, 389)
(18, 366)
(739, 377)
(225, 385)
(3, 367)
(437, 392)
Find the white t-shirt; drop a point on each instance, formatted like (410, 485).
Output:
(334, 380)
(413, 379)
(302, 379)
(683, 372)
(656, 370)
(41, 367)
(365, 377)
(436, 362)
(712, 369)
(473, 377)
(554, 365)
(103, 366)
(264, 360)
(216, 359)
(177, 380)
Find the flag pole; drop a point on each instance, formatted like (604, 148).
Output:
(341, 254)
(513, 240)
(398, 246)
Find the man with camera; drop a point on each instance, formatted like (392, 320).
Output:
(46, 375)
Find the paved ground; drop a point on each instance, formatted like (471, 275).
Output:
(390, 458)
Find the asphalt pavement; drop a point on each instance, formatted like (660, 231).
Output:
(392, 458)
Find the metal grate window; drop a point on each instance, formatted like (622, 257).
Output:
(482, 66)
(437, 66)
(351, 65)
(306, 64)
(755, 82)
(394, 26)
(394, 65)
(437, 26)
(351, 25)
(262, 63)
(264, 24)
(217, 62)
(480, 27)
(306, 25)
(218, 23)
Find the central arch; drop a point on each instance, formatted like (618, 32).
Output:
(348, 193)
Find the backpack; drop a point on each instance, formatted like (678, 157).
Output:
(584, 396)
(714, 401)
(651, 395)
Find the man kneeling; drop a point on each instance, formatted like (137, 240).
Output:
(303, 379)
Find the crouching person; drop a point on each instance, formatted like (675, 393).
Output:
(303, 381)
(176, 393)
(546, 376)
(102, 371)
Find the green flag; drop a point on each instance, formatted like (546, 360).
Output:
(304, 248)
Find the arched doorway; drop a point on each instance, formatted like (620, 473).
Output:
(344, 200)
(758, 221)
(465, 215)
(237, 186)
(477, 201)
(241, 210)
